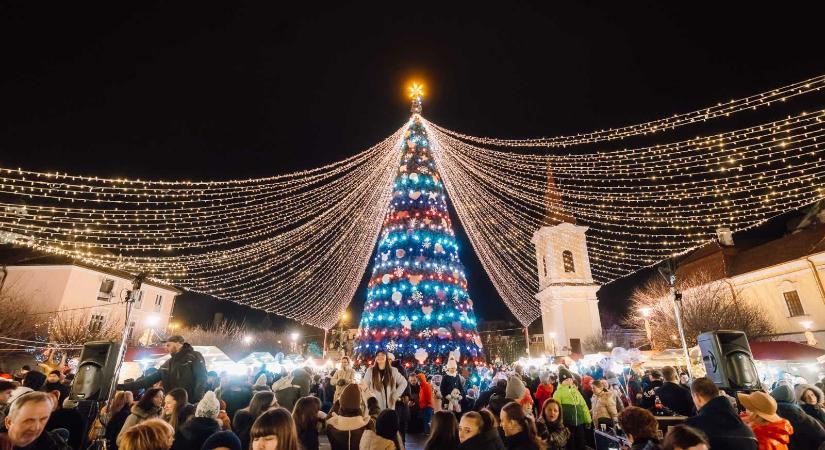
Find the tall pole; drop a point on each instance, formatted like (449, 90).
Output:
(324, 353)
(670, 275)
(527, 341)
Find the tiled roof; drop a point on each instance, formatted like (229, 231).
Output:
(740, 259)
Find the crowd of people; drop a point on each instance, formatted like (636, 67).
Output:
(182, 406)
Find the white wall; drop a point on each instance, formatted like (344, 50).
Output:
(58, 287)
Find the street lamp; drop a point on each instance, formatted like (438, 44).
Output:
(646, 316)
(609, 345)
(809, 335)
(247, 339)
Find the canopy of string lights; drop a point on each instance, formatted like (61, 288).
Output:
(298, 244)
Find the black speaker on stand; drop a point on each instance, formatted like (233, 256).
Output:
(728, 360)
(98, 361)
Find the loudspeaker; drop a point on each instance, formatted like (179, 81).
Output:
(728, 360)
(98, 362)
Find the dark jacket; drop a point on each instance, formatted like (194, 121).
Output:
(194, 432)
(115, 425)
(645, 444)
(478, 442)
(723, 427)
(807, 431)
(483, 399)
(71, 420)
(46, 441)
(676, 398)
(648, 400)
(185, 369)
(287, 397)
(62, 388)
(520, 441)
(448, 383)
(309, 439)
(242, 425)
(237, 397)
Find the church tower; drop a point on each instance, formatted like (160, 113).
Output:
(567, 293)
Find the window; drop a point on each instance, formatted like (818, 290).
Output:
(794, 304)
(106, 288)
(131, 331)
(139, 300)
(158, 302)
(96, 323)
(567, 258)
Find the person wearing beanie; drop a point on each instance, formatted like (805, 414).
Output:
(194, 432)
(344, 430)
(772, 432)
(575, 414)
(807, 431)
(517, 392)
(450, 380)
(221, 440)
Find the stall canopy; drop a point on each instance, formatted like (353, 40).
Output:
(258, 359)
(784, 351)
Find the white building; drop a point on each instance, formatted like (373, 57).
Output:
(784, 276)
(567, 292)
(54, 283)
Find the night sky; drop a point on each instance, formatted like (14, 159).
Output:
(219, 90)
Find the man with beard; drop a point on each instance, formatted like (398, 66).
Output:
(186, 369)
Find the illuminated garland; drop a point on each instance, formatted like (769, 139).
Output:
(298, 244)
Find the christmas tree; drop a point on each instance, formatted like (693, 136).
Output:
(417, 305)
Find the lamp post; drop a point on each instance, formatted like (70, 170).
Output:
(646, 316)
(344, 318)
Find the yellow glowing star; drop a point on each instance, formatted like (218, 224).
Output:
(416, 90)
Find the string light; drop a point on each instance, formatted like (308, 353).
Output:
(298, 244)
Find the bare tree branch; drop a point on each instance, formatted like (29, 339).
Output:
(709, 303)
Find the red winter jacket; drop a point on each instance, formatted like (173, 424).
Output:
(543, 392)
(425, 392)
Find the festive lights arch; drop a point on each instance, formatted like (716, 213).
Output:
(298, 244)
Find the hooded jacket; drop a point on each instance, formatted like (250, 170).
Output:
(138, 415)
(344, 433)
(543, 392)
(816, 411)
(604, 405)
(425, 392)
(370, 440)
(573, 407)
(186, 369)
(774, 435)
(723, 427)
(807, 431)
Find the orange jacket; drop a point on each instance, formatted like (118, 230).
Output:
(425, 392)
(773, 435)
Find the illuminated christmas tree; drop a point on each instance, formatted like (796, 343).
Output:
(417, 305)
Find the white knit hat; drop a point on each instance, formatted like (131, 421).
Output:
(209, 406)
